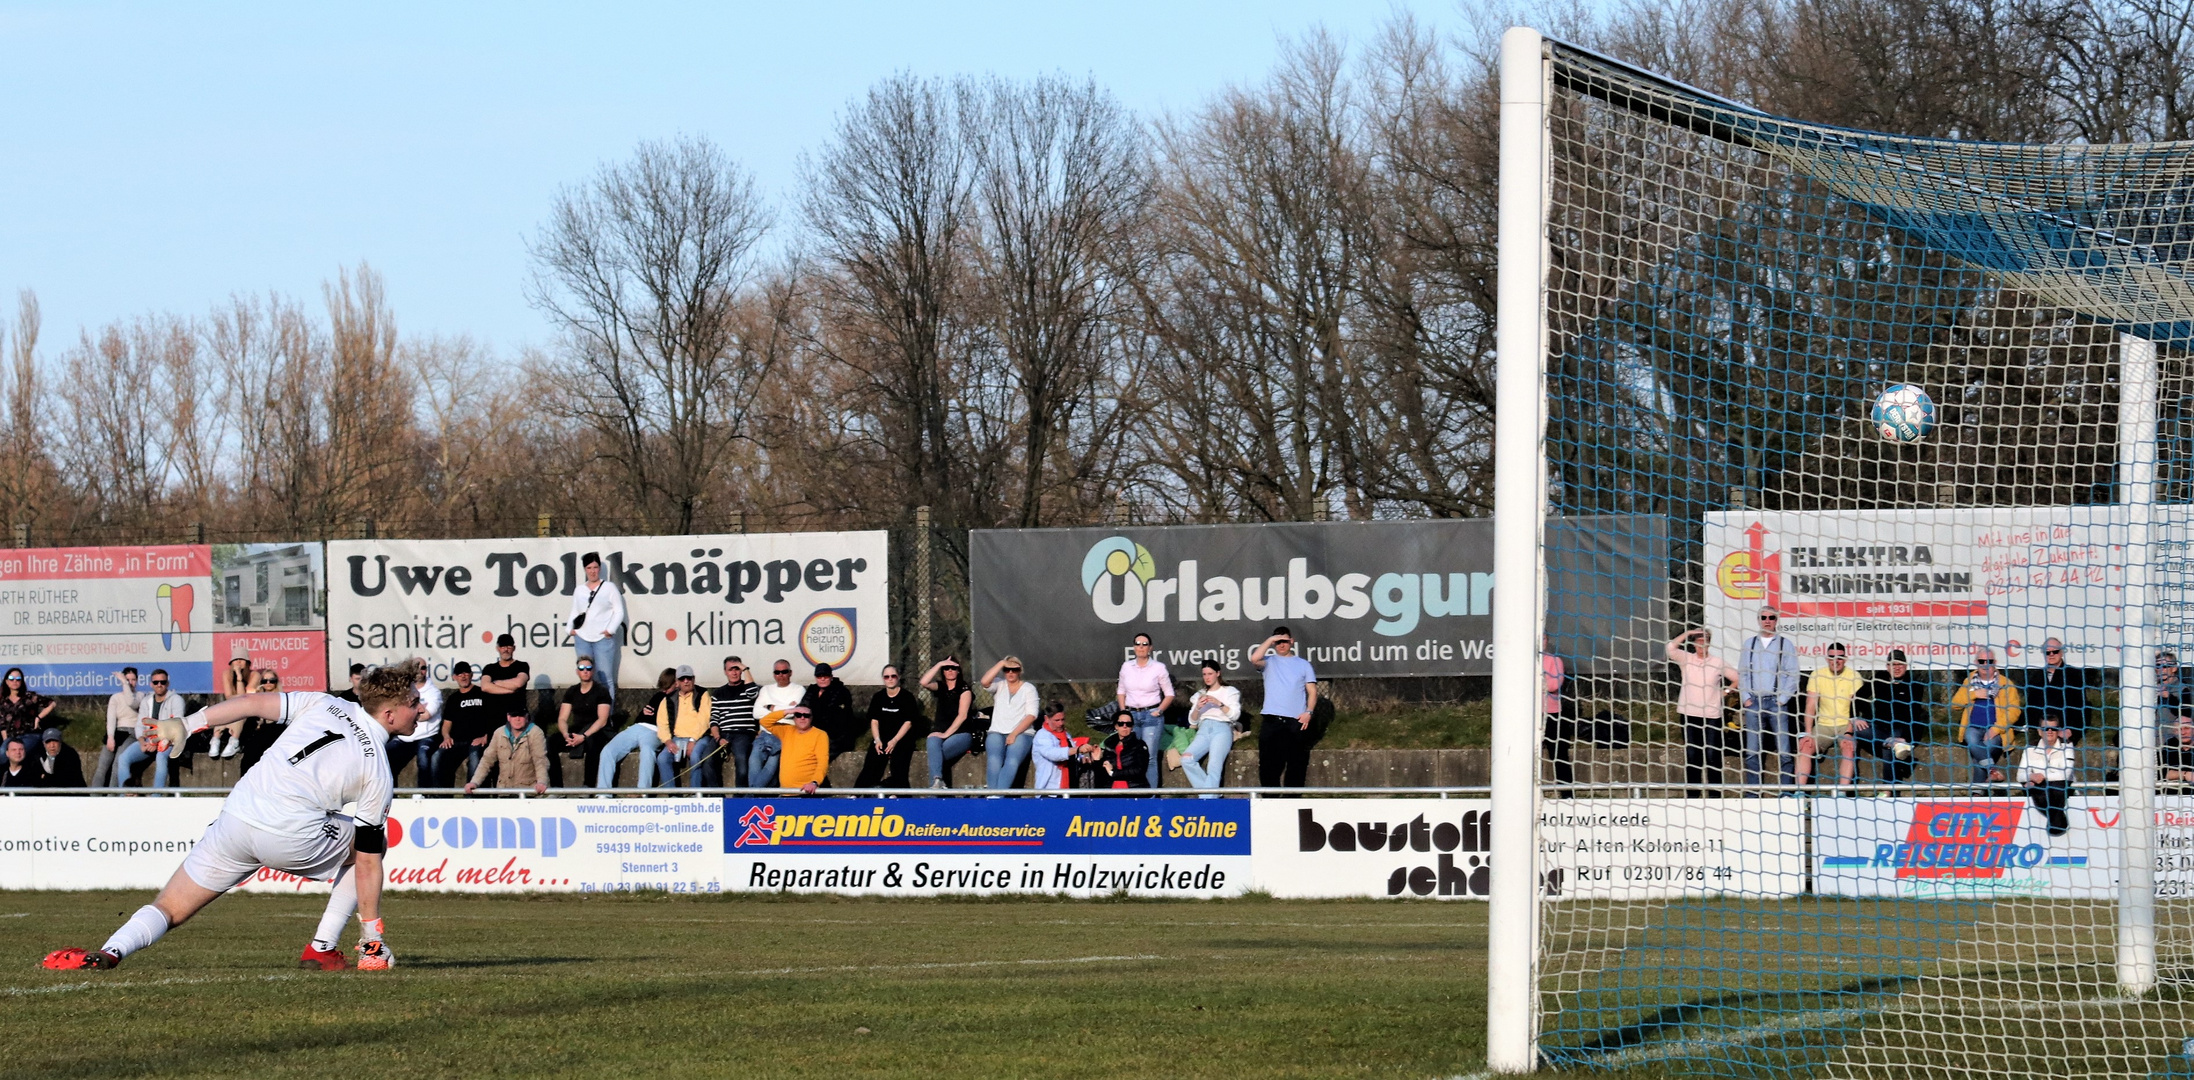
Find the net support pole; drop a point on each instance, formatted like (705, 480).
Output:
(1519, 511)
(2137, 393)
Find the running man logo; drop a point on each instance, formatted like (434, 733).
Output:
(1960, 840)
(758, 825)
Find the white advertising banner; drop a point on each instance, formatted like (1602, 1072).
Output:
(1590, 848)
(73, 617)
(804, 597)
(1977, 847)
(97, 842)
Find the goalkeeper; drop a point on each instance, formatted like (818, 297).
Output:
(289, 814)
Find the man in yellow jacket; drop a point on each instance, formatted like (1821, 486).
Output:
(806, 762)
(682, 727)
(1988, 711)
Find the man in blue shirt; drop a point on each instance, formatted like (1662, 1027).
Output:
(1291, 695)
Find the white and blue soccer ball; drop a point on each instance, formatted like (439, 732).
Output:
(1904, 413)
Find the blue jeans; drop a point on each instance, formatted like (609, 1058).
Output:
(127, 758)
(1982, 748)
(1214, 738)
(403, 752)
(944, 751)
(1769, 742)
(638, 739)
(1002, 761)
(762, 760)
(1150, 726)
(667, 762)
(604, 653)
(736, 747)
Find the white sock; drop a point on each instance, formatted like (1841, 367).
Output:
(142, 930)
(342, 904)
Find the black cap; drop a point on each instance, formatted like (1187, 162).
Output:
(822, 670)
(460, 668)
(1897, 656)
(505, 639)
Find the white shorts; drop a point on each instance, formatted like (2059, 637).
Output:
(233, 850)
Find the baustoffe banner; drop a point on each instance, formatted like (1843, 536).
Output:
(804, 597)
(1362, 598)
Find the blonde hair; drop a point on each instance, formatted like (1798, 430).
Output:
(1011, 661)
(392, 684)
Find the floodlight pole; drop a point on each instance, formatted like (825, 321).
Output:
(2137, 393)
(1519, 513)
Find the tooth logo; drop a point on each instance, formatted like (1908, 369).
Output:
(174, 602)
(1117, 564)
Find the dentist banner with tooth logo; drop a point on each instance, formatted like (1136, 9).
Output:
(72, 617)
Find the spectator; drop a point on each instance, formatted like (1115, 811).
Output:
(468, 718)
(773, 706)
(953, 703)
(1145, 692)
(597, 615)
(159, 723)
(1213, 712)
(831, 704)
(504, 681)
(1767, 680)
(2060, 691)
(806, 752)
(23, 711)
(1830, 719)
(121, 726)
(350, 693)
(1895, 708)
(1291, 697)
(682, 727)
(518, 754)
(236, 681)
(1013, 711)
(1703, 678)
(639, 737)
(731, 711)
(425, 741)
(1051, 751)
(894, 723)
(2045, 769)
(2172, 699)
(1989, 707)
(1123, 756)
(20, 773)
(2175, 762)
(60, 763)
(587, 703)
(1558, 735)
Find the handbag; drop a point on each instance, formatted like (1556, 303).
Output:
(1100, 717)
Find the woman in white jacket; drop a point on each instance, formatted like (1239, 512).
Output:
(1212, 712)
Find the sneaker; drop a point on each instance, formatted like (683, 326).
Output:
(375, 956)
(938, 785)
(329, 960)
(79, 960)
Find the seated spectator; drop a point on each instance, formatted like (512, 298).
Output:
(831, 704)
(159, 733)
(425, 740)
(2172, 699)
(518, 755)
(1831, 724)
(638, 737)
(806, 759)
(953, 701)
(2046, 771)
(23, 711)
(1989, 712)
(773, 705)
(2175, 762)
(1213, 712)
(121, 726)
(2058, 690)
(582, 719)
(21, 772)
(894, 723)
(682, 728)
(358, 671)
(260, 734)
(468, 718)
(60, 763)
(1013, 712)
(731, 713)
(1895, 709)
(1052, 751)
(1123, 759)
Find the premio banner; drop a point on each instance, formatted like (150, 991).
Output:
(804, 597)
(1362, 597)
(72, 617)
(929, 847)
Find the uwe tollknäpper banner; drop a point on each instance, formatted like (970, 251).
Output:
(804, 597)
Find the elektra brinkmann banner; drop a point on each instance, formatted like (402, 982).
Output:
(804, 597)
(1362, 597)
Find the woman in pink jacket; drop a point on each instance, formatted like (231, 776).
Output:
(1699, 707)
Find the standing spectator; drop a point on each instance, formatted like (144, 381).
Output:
(1291, 697)
(19, 771)
(773, 707)
(2057, 690)
(953, 703)
(23, 711)
(1213, 712)
(1558, 734)
(468, 718)
(1013, 711)
(1830, 717)
(236, 681)
(504, 681)
(682, 727)
(153, 742)
(586, 704)
(1704, 677)
(731, 711)
(806, 752)
(121, 726)
(831, 704)
(2175, 762)
(1122, 757)
(1989, 707)
(2172, 699)
(1895, 708)
(2045, 769)
(60, 763)
(425, 741)
(1145, 692)
(894, 726)
(597, 617)
(638, 737)
(1051, 751)
(1767, 680)
(518, 754)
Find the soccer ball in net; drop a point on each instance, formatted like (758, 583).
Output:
(1904, 413)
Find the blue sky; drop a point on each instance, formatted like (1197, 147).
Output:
(162, 158)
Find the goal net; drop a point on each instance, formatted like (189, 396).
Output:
(1893, 784)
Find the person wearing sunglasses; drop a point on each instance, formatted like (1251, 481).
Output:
(1988, 711)
(582, 720)
(731, 713)
(159, 726)
(2058, 690)
(1767, 683)
(23, 711)
(953, 703)
(1290, 703)
(894, 729)
(1145, 692)
(2172, 700)
(1124, 758)
(773, 706)
(1013, 709)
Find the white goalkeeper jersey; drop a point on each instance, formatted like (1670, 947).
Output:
(329, 761)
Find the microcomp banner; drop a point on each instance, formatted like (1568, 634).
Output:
(1362, 598)
(804, 597)
(72, 617)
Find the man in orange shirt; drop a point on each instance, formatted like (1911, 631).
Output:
(805, 764)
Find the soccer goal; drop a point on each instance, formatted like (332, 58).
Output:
(1890, 782)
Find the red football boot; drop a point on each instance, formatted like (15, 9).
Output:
(332, 960)
(79, 960)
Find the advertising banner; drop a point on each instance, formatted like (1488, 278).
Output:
(72, 617)
(1362, 597)
(1619, 849)
(1965, 848)
(805, 597)
(270, 607)
(927, 847)
(1938, 583)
